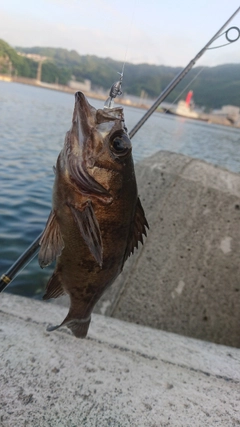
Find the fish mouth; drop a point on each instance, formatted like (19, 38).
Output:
(84, 117)
(87, 120)
(79, 149)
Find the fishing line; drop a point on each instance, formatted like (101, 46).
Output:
(175, 100)
(116, 88)
(34, 247)
(230, 40)
(129, 35)
(178, 78)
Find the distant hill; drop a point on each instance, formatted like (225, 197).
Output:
(20, 66)
(213, 88)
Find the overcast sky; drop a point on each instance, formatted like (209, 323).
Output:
(154, 31)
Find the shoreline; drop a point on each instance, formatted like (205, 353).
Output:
(67, 89)
(208, 118)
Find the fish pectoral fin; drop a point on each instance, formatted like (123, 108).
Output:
(51, 242)
(89, 227)
(137, 230)
(54, 287)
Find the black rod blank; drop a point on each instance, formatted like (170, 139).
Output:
(29, 253)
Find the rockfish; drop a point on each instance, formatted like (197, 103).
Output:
(97, 218)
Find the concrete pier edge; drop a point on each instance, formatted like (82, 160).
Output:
(185, 278)
(122, 375)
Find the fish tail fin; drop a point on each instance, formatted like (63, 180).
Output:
(77, 320)
(54, 287)
(79, 327)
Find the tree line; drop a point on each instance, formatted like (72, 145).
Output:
(213, 88)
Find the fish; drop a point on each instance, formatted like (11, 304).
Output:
(97, 219)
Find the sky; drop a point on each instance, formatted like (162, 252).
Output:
(151, 31)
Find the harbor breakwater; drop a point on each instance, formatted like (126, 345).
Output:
(185, 278)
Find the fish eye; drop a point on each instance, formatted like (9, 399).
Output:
(120, 144)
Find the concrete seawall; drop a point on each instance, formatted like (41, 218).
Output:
(185, 279)
(122, 375)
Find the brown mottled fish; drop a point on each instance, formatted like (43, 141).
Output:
(97, 218)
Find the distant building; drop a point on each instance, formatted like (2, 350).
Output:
(84, 86)
(37, 58)
(33, 56)
(230, 112)
(230, 109)
(227, 110)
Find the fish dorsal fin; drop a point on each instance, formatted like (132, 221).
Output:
(137, 230)
(51, 242)
(54, 287)
(89, 228)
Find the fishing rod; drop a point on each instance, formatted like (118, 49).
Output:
(183, 73)
(32, 250)
(21, 262)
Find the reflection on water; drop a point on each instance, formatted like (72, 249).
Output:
(33, 124)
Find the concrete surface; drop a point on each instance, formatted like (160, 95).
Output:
(123, 375)
(185, 279)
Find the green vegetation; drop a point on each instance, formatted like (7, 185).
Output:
(213, 88)
(20, 66)
(51, 73)
(26, 67)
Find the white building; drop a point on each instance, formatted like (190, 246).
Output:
(83, 86)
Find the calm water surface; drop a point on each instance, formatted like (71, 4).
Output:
(33, 124)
